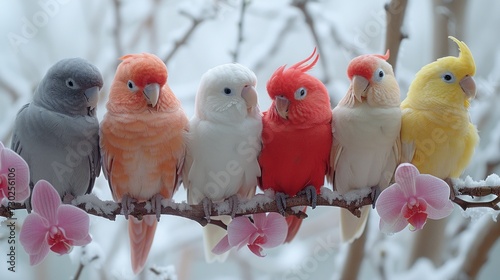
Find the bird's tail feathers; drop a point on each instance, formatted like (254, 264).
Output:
(351, 227)
(141, 234)
(212, 234)
(293, 226)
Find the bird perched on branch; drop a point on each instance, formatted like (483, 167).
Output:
(366, 126)
(223, 144)
(437, 135)
(142, 144)
(296, 136)
(58, 133)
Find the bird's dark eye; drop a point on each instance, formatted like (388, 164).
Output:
(227, 90)
(300, 93)
(448, 77)
(131, 86)
(379, 75)
(71, 83)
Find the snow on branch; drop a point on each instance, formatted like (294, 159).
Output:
(261, 203)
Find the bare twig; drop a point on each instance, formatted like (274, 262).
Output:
(117, 29)
(478, 254)
(195, 22)
(80, 268)
(236, 53)
(395, 12)
(9, 90)
(286, 27)
(302, 6)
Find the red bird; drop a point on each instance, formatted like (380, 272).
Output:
(296, 136)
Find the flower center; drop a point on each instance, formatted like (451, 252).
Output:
(415, 212)
(262, 239)
(58, 241)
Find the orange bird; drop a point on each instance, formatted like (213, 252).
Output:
(142, 144)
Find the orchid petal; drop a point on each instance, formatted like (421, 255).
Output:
(256, 249)
(397, 225)
(436, 194)
(417, 221)
(74, 221)
(45, 201)
(10, 162)
(406, 176)
(390, 203)
(84, 241)
(260, 220)
(33, 233)
(239, 231)
(38, 258)
(222, 247)
(275, 231)
(61, 248)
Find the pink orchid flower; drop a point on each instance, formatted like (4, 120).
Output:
(14, 176)
(266, 231)
(412, 199)
(52, 225)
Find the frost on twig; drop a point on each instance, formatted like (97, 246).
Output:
(262, 203)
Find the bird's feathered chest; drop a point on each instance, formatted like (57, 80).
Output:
(365, 127)
(224, 141)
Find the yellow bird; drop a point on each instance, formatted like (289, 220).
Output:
(436, 133)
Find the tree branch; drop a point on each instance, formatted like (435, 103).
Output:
(395, 12)
(236, 53)
(195, 22)
(261, 203)
(301, 5)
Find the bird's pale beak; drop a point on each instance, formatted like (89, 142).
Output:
(152, 93)
(92, 96)
(359, 86)
(468, 86)
(249, 94)
(282, 104)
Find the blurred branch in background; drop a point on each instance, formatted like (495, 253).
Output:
(479, 250)
(302, 6)
(5, 87)
(239, 40)
(117, 29)
(395, 12)
(195, 22)
(448, 20)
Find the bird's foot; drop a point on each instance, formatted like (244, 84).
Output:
(281, 202)
(312, 196)
(127, 205)
(234, 203)
(207, 208)
(68, 198)
(375, 193)
(156, 205)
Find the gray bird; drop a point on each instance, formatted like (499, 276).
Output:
(58, 133)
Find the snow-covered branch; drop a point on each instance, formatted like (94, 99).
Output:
(261, 203)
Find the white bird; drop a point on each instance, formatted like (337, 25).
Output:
(223, 145)
(366, 126)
